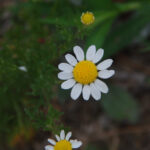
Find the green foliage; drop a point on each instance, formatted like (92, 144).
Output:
(41, 33)
(98, 5)
(97, 38)
(43, 116)
(124, 33)
(120, 105)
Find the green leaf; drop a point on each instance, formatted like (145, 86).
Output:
(99, 4)
(98, 36)
(128, 6)
(120, 105)
(101, 17)
(123, 34)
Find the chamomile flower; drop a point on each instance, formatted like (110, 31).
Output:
(87, 18)
(63, 142)
(84, 73)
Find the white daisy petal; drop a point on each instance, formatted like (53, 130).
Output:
(105, 64)
(48, 147)
(65, 67)
(91, 52)
(76, 91)
(79, 53)
(100, 85)
(86, 92)
(72, 140)
(68, 136)
(105, 74)
(68, 84)
(96, 94)
(75, 143)
(62, 135)
(57, 137)
(71, 59)
(51, 141)
(64, 75)
(98, 56)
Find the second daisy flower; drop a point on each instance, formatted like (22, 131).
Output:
(83, 73)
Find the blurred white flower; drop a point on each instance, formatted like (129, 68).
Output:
(22, 68)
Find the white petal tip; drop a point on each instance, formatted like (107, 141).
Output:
(22, 68)
(51, 141)
(76, 144)
(62, 135)
(85, 99)
(78, 53)
(75, 47)
(74, 98)
(69, 134)
(86, 92)
(105, 74)
(76, 91)
(90, 52)
(49, 147)
(113, 72)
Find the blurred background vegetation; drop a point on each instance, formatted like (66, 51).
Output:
(36, 34)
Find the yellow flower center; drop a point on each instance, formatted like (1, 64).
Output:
(63, 145)
(87, 18)
(85, 72)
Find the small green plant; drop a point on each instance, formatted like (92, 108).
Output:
(41, 33)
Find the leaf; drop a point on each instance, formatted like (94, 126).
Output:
(99, 4)
(120, 105)
(98, 36)
(101, 17)
(128, 6)
(123, 34)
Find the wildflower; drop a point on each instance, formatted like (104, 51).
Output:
(63, 142)
(22, 68)
(82, 74)
(87, 18)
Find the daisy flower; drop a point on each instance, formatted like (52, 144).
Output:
(87, 18)
(83, 73)
(63, 142)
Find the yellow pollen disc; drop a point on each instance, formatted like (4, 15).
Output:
(87, 18)
(85, 72)
(63, 145)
